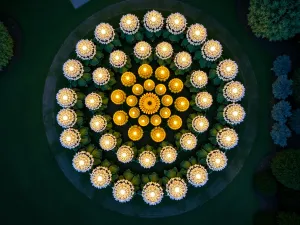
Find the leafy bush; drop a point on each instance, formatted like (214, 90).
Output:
(281, 111)
(296, 85)
(280, 133)
(6, 46)
(286, 168)
(265, 183)
(294, 121)
(282, 65)
(288, 218)
(282, 87)
(274, 20)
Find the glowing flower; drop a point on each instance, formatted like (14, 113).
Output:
(66, 97)
(98, 123)
(183, 60)
(162, 73)
(197, 175)
(158, 134)
(100, 177)
(212, 50)
(199, 79)
(234, 91)
(200, 124)
(129, 24)
(196, 34)
(135, 133)
(142, 50)
(149, 103)
(152, 193)
(147, 159)
(216, 160)
(120, 118)
(153, 21)
(176, 188)
(227, 138)
(101, 76)
(167, 100)
(175, 85)
(117, 58)
(93, 101)
(164, 50)
(85, 49)
(165, 112)
(149, 85)
(104, 33)
(137, 89)
(82, 161)
(128, 79)
(160, 89)
(143, 120)
(66, 118)
(70, 138)
(123, 190)
(175, 122)
(118, 97)
(203, 100)
(188, 141)
(227, 70)
(125, 154)
(168, 154)
(234, 114)
(176, 23)
(131, 100)
(108, 142)
(155, 120)
(134, 112)
(73, 69)
(182, 104)
(145, 71)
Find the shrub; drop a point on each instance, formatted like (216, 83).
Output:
(265, 183)
(286, 168)
(288, 218)
(6, 46)
(294, 121)
(280, 133)
(281, 111)
(296, 85)
(274, 20)
(282, 65)
(282, 87)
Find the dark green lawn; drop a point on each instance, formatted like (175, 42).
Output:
(33, 189)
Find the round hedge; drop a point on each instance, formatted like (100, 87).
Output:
(6, 46)
(286, 168)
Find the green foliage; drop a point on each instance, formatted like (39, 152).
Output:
(286, 168)
(274, 20)
(265, 183)
(280, 133)
(296, 85)
(288, 218)
(6, 46)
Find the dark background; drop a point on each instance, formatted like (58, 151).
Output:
(33, 189)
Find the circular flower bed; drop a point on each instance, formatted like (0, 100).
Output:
(145, 94)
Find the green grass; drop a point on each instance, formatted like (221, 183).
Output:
(33, 187)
